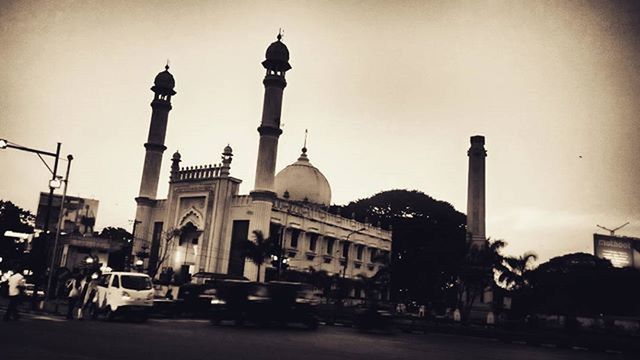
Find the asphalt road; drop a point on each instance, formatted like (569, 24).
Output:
(51, 337)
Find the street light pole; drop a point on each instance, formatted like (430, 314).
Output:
(129, 250)
(41, 248)
(346, 256)
(55, 243)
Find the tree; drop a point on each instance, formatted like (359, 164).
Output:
(428, 247)
(260, 250)
(116, 233)
(582, 284)
(477, 273)
(513, 271)
(12, 218)
(163, 252)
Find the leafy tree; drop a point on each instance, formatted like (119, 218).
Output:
(260, 250)
(116, 233)
(429, 242)
(582, 284)
(514, 270)
(13, 218)
(477, 273)
(169, 237)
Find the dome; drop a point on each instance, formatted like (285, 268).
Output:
(277, 56)
(164, 82)
(277, 51)
(304, 182)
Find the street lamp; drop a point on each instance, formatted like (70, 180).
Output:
(7, 144)
(280, 258)
(55, 242)
(346, 255)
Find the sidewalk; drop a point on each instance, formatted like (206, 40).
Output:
(53, 307)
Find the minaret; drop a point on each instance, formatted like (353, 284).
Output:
(276, 64)
(263, 194)
(161, 105)
(475, 196)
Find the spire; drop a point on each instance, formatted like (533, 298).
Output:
(303, 156)
(227, 157)
(175, 165)
(280, 34)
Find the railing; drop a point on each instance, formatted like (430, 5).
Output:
(202, 172)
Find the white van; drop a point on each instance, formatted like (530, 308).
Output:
(127, 293)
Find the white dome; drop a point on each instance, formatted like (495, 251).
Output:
(303, 182)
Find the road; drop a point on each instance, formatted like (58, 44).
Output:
(51, 337)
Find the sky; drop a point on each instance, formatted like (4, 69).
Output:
(389, 91)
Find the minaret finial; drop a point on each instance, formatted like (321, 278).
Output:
(166, 67)
(280, 34)
(304, 147)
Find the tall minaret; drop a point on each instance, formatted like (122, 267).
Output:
(161, 105)
(263, 194)
(277, 64)
(475, 196)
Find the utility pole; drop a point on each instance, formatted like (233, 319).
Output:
(129, 249)
(55, 242)
(346, 255)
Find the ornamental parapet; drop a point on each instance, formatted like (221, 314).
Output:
(199, 173)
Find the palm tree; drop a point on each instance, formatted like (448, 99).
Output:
(513, 270)
(260, 250)
(477, 272)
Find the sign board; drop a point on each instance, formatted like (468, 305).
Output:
(618, 250)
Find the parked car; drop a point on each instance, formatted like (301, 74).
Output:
(124, 293)
(263, 304)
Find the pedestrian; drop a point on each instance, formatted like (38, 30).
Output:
(88, 294)
(16, 284)
(73, 288)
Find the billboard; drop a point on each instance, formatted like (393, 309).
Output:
(78, 217)
(617, 249)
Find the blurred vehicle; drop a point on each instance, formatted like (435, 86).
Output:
(194, 298)
(30, 290)
(263, 304)
(374, 317)
(165, 303)
(124, 293)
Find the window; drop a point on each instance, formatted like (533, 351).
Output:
(372, 254)
(104, 280)
(360, 250)
(313, 239)
(134, 282)
(295, 234)
(116, 281)
(345, 249)
(330, 242)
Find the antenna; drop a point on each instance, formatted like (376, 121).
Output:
(612, 232)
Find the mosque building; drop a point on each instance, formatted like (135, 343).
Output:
(204, 202)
